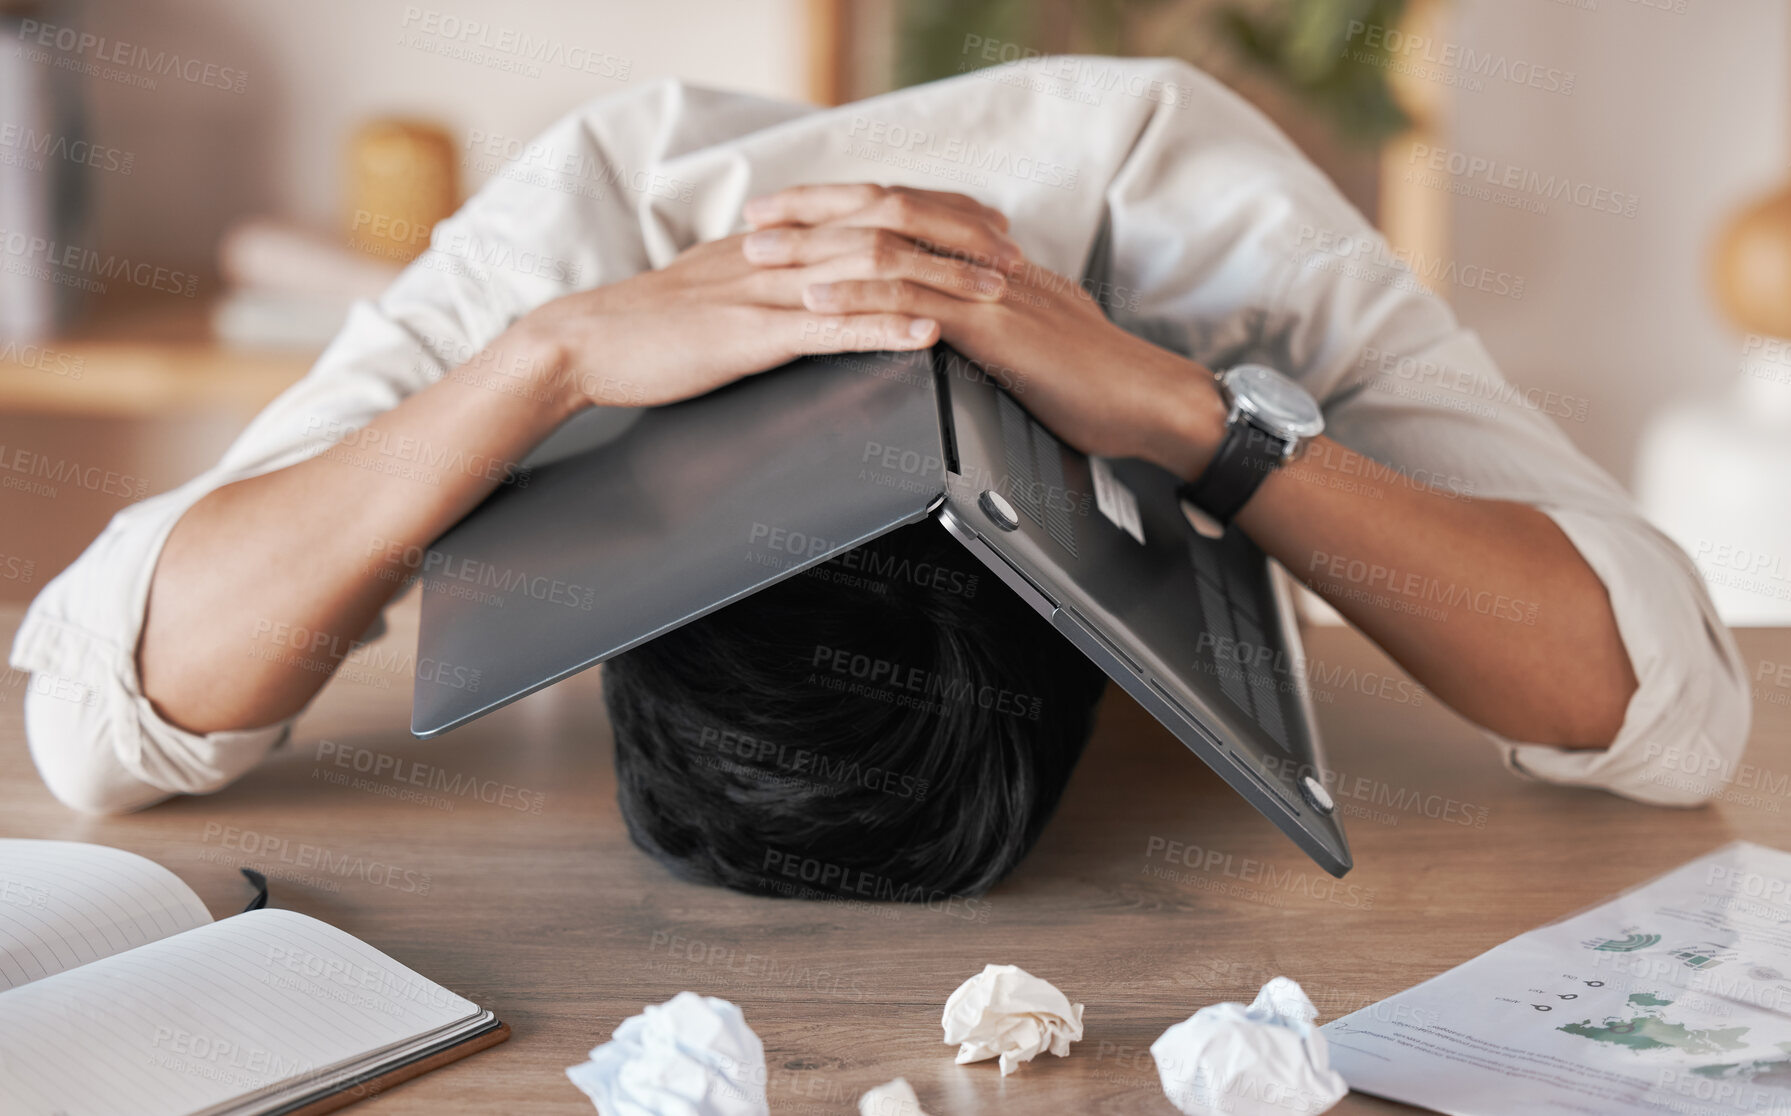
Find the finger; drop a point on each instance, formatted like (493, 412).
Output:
(880, 296)
(959, 201)
(838, 252)
(859, 333)
(939, 229)
(819, 204)
(794, 246)
(811, 205)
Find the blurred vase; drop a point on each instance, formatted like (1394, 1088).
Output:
(402, 180)
(1753, 266)
(1713, 474)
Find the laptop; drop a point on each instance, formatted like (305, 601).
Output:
(631, 525)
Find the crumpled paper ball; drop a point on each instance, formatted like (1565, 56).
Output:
(1005, 1012)
(1263, 1060)
(892, 1098)
(690, 1056)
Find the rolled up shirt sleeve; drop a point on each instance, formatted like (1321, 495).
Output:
(98, 742)
(1405, 385)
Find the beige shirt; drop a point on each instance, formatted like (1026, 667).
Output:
(1226, 245)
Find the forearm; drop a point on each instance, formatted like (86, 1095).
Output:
(318, 548)
(1485, 602)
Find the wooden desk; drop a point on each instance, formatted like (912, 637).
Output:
(553, 919)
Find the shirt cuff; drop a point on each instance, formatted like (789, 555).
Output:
(99, 744)
(1687, 724)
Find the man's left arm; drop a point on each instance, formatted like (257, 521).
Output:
(1499, 566)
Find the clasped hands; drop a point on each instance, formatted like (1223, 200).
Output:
(861, 267)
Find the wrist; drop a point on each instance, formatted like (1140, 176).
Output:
(539, 357)
(1186, 419)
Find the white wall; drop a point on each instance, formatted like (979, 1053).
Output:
(1687, 111)
(318, 68)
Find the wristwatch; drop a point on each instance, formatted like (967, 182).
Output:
(1270, 418)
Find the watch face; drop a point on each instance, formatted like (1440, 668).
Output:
(1274, 400)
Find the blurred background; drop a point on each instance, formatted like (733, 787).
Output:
(179, 181)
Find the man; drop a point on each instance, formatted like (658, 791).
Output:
(1575, 634)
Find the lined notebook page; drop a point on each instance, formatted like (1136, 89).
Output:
(63, 904)
(190, 1022)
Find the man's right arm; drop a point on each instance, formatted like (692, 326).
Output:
(321, 546)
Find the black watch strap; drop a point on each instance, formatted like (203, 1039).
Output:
(1245, 459)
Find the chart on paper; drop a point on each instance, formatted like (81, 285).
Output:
(1674, 997)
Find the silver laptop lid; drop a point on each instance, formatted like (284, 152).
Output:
(693, 506)
(702, 503)
(1199, 631)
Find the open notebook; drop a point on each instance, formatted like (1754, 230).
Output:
(119, 994)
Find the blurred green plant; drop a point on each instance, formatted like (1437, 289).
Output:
(1306, 47)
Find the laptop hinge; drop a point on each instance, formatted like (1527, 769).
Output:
(948, 434)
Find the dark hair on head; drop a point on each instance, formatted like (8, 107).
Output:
(888, 725)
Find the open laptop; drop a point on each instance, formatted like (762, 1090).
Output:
(699, 504)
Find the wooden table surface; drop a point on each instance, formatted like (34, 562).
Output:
(554, 920)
